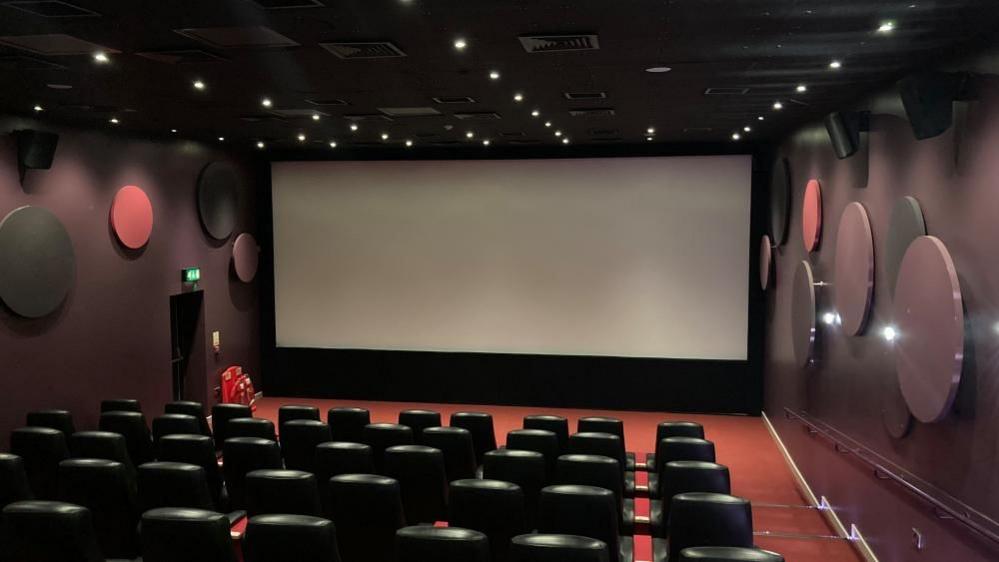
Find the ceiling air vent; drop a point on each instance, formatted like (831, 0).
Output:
(329, 102)
(583, 96)
(698, 129)
(287, 4)
(297, 113)
(260, 118)
(478, 116)
(593, 112)
(182, 56)
(726, 91)
(559, 43)
(53, 44)
(454, 99)
(51, 9)
(252, 36)
(512, 134)
(409, 111)
(608, 139)
(369, 50)
(604, 132)
(22, 62)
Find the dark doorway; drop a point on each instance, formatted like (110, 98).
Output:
(188, 354)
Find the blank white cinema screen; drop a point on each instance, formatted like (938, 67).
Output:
(636, 257)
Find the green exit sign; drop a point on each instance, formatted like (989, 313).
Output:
(191, 274)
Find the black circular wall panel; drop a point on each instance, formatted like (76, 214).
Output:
(906, 225)
(218, 199)
(780, 201)
(803, 314)
(37, 263)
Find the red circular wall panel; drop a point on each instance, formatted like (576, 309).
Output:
(132, 217)
(811, 215)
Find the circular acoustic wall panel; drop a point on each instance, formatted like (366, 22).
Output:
(906, 225)
(766, 262)
(37, 262)
(811, 215)
(245, 257)
(929, 350)
(218, 199)
(780, 201)
(132, 217)
(803, 314)
(895, 412)
(854, 285)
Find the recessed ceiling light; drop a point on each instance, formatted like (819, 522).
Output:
(801, 88)
(301, 137)
(221, 139)
(778, 105)
(332, 144)
(518, 97)
(460, 44)
(648, 138)
(198, 85)
(266, 102)
(101, 57)
(409, 143)
(835, 65)
(760, 118)
(486, 142)
(354, 127)
(548, 123)
(173, 131)
(469, 135)
(114, 121)
(315, 117)
(39, 108)
(535, 113)
(385, 136)
(651, 130)
(261, 145)
(747, 129)
(565, 140)
(886, 26)
(494, 75)
(558, 133)
(658, 69)
(736, 136)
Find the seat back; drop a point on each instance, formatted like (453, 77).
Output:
(422, 479)
(418, 420)
(593, 470)
(334, 458)
(173, 484)
(107, 490)
(299, 438)
(290, 412)
(602, 424)
(49, 531)
(581, 510)
(242, 455)
(132, 426)
(441, 544)
(480, 425)
(174, 424)
(381, 436)
(191, 535)
(251, 427)
(14, 485)
(190, 408)
(555, 424)
(728, 554)
(525, 469)
(537, 440)
(347, 424)
(367, 511)
(704, 519)
(198, 450)
(101, 445)
(598, 443)
(683, 449)
(282, 491)
(678, 429)
(41, 449)
(120, 405)
(60, 420)
(459, 451)
(557, 548)
(301, 538)
(221, 414)
(493, 507)
(679, 477)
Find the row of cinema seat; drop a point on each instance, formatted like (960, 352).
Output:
(547, 495)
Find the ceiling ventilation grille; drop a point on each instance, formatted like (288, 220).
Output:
(454, 99)
(51, 9)
(182, 56)
(409, 111)
(287, 4)
(698, 129)
(369, 50)
(512, 134)
(252, 36)
(559, 43)
(21, 62)
(726, 91)
(478, 116)
(53, 44)
(593, 112)
(577, 96)
(328, 102)
(605, 132)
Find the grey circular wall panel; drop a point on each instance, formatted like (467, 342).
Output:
(803, 313)
(245, 257)
(780, 201)
(218, 199)
(929, 313)
(854, 286)
(895, 412)
(906, 225)
(37, 262)
(766, 262)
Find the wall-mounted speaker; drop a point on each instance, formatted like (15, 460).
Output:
(929, 100)
(35, 149)
(844, 128)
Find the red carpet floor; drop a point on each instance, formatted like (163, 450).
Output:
(757, 468)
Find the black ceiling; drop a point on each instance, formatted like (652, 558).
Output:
(759, 49)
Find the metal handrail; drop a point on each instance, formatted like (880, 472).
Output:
(944, 505)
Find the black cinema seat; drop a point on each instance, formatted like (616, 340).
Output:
(41, 449)
(704, 519)
(557, 548)
(586, 511)
(14, 486)
(604, 424)
(537, 440)
(107, 490)
(441, 544)
(680, 477)
(728, 554)
(347, 424)
(120, 405)
(60, 420)
(173, 484)
(197, 450)
(493, 507)
(555, 424)
(291, 412)
(602, 472)
(459, 451)
(174, 424)
(282, 491)
(334, 458)
(101, 445)
(185, 535)
(242, 455)
(678, 449)
(381, 436)
(418, 420)
(422, 479)
(49, 531)
(132, 426)
(480, 425)
(608, 445)
(221, 414)
(190, 408)
(525, 469)
(367, 512)
(300, 538)
(251, 427)
(673, 429)
(298, 443)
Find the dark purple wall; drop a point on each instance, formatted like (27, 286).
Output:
(111, 338)
(845, 387)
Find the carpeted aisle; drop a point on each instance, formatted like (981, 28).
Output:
(757, 468)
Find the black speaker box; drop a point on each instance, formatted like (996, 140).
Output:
(35, 149)
(844, 128)
(929, 100)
